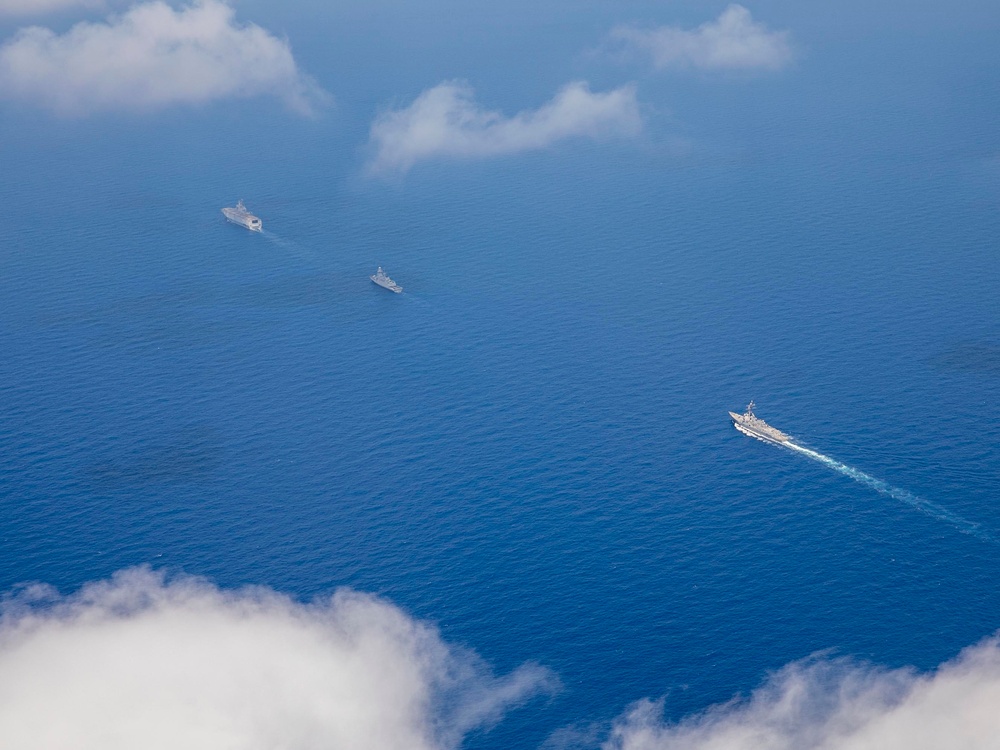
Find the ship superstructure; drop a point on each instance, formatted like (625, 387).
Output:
(750, 424)
(385, 282)
(240, 215)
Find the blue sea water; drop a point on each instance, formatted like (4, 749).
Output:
(530, 446)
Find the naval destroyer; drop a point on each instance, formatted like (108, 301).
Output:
(384, 281)
(750, 424)
(241, 216)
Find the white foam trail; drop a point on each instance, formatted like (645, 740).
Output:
(926, 506)
(290, 246)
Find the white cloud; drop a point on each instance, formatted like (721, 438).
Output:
(733, 41)
(445, 121)
(152, 56)
(836, 705)
(137, 662)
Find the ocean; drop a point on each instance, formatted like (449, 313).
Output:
(530, 446)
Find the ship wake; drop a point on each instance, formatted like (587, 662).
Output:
(290, 247)
(884, 488)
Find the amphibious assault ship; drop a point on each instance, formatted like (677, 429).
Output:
(384, 281)
(241, 216)
(750, 424)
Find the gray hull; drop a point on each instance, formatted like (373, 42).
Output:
(757, 428)
(389, 284)
(244, 218)
(766, 437)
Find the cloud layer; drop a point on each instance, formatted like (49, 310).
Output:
(837, 705)
(142, 662)
(150, 57)
(445, 121)
(733, 41)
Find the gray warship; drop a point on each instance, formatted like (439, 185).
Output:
(385, 282)
(240, 215)
(750, 424)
